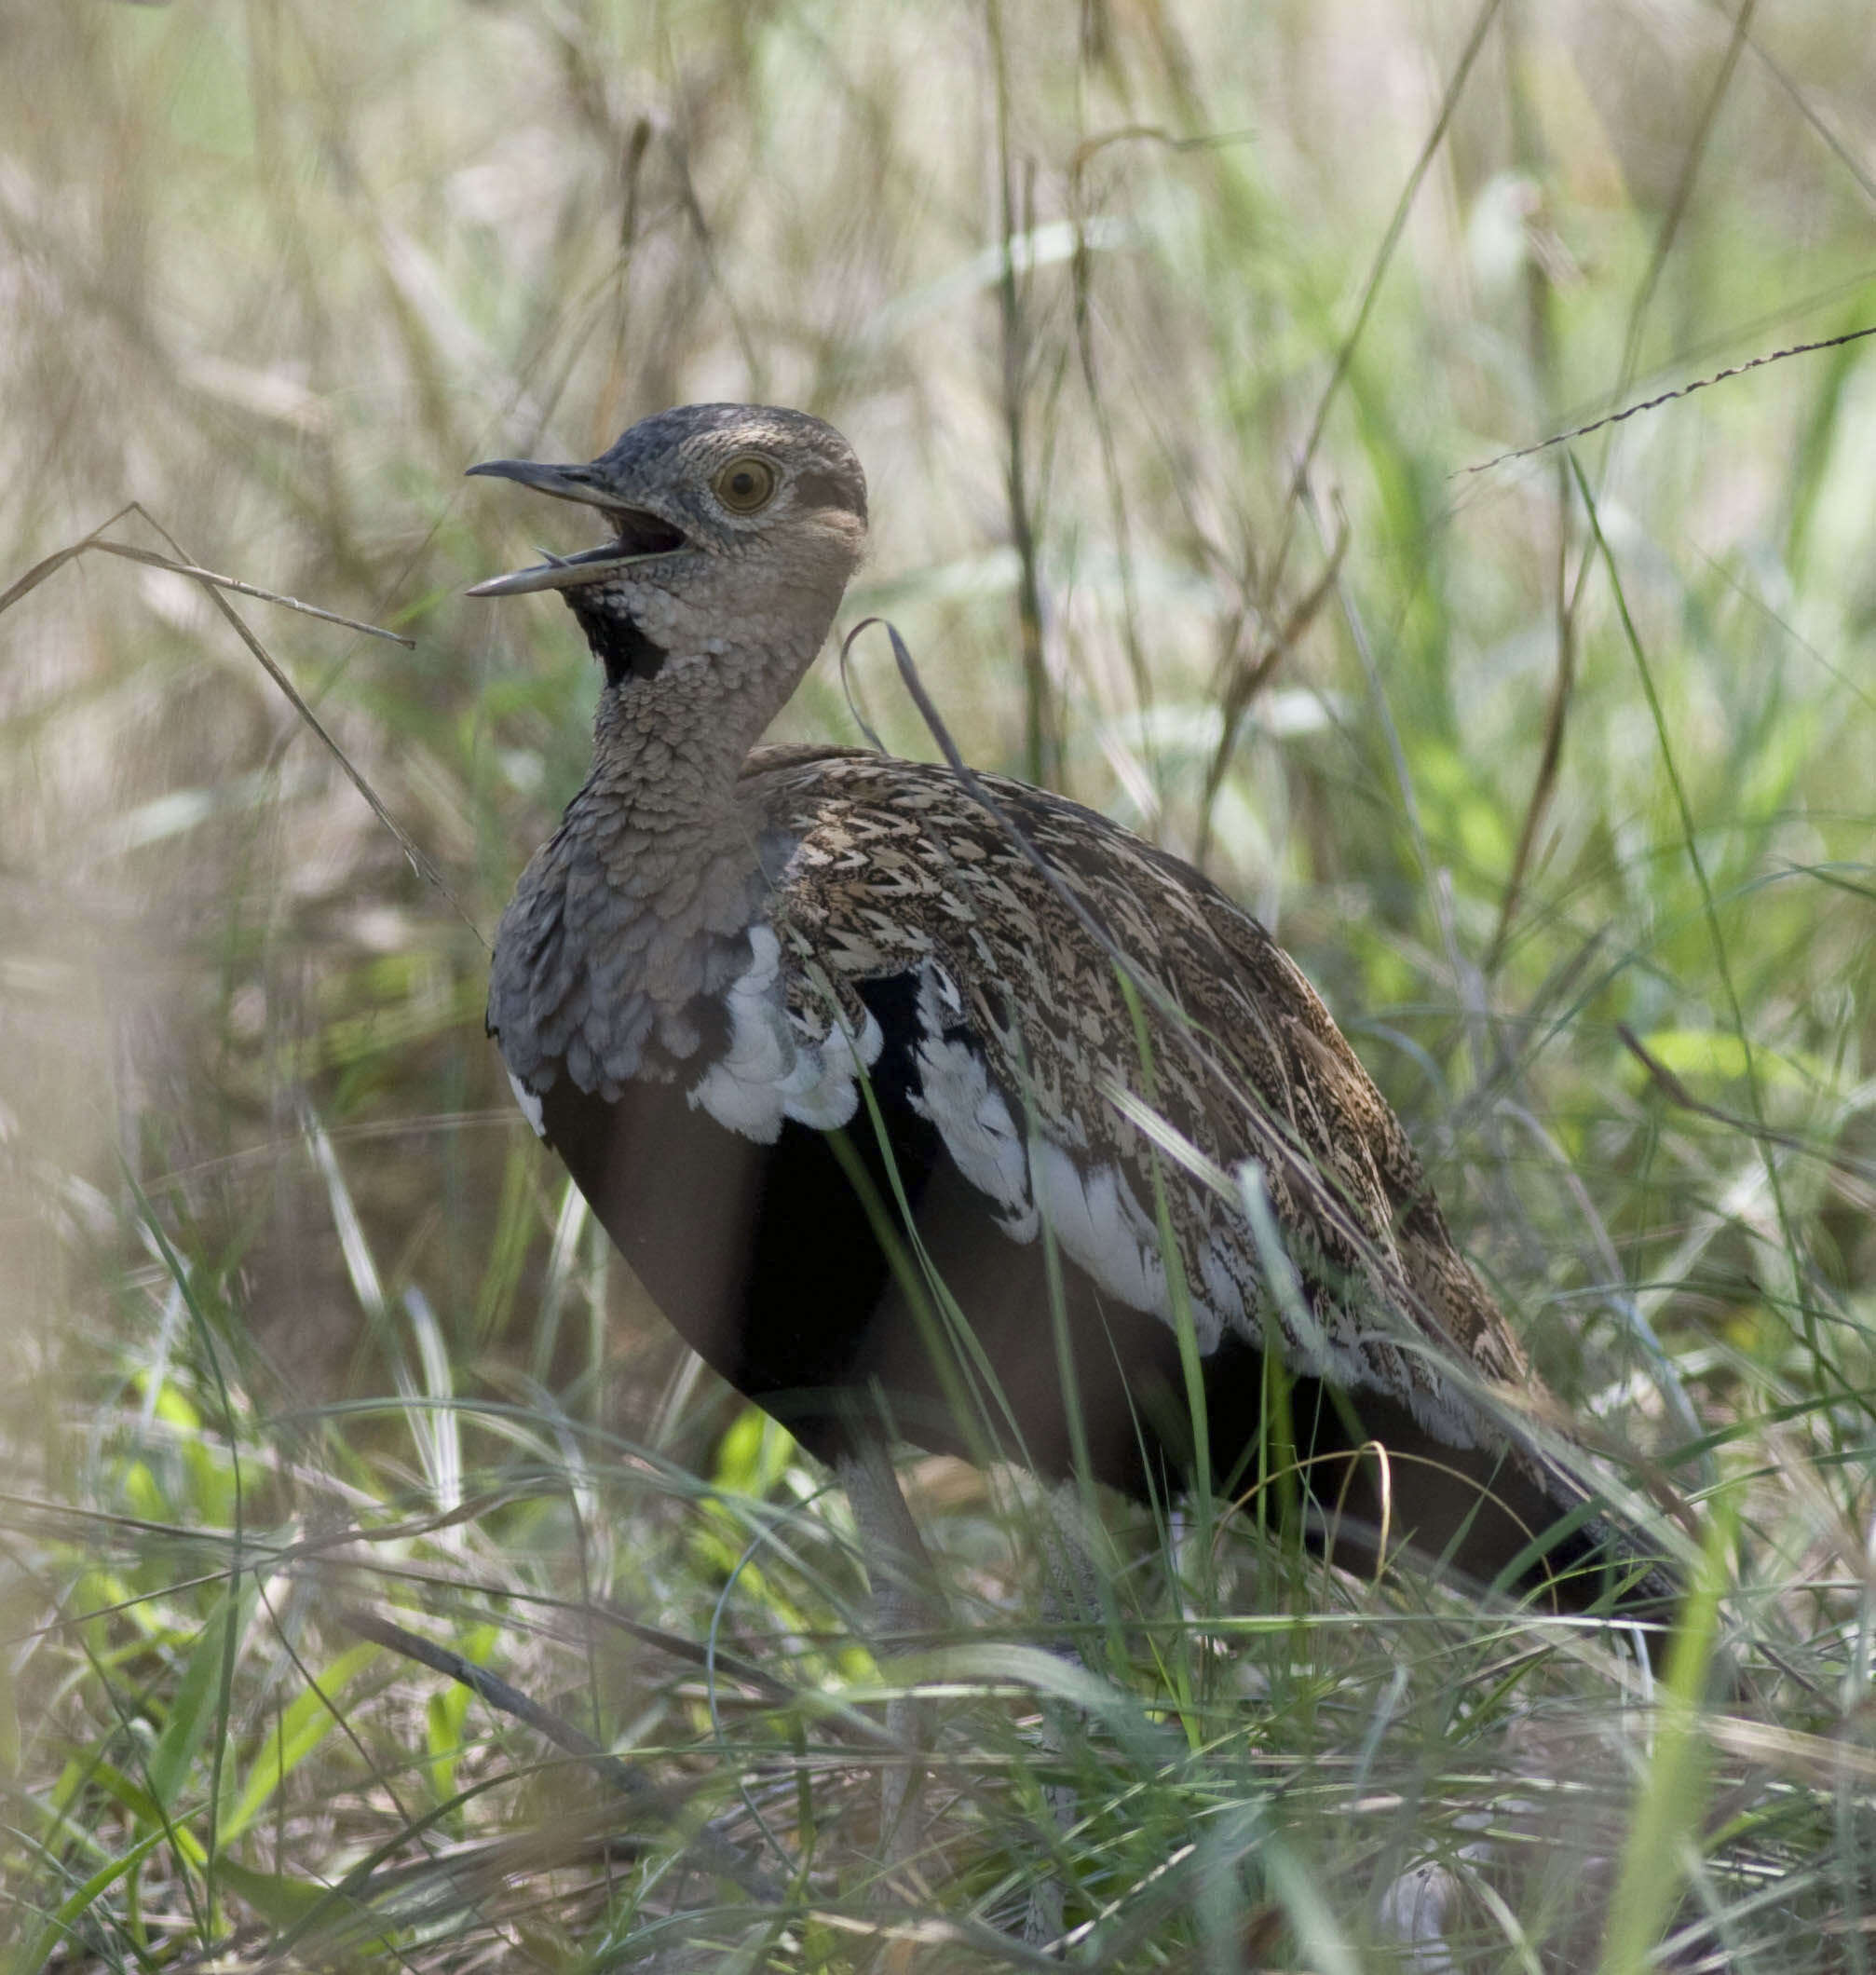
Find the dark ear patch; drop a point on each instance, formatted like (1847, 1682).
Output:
(829, 490)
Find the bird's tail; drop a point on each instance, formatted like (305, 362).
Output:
(1515, 1519)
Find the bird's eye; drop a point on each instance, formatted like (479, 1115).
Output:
(745, 484)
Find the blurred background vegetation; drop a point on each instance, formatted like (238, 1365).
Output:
(1169, 332)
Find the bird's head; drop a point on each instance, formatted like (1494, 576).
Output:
(733, 531)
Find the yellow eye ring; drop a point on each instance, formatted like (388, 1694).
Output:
(747, 483)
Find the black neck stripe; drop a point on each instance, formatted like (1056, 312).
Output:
(618, 643)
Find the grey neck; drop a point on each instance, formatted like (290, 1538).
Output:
(635, 919)
(661, 798)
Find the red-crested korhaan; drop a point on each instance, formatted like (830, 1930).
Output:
(925, 1119)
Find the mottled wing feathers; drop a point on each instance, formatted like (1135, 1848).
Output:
(1027, 1031)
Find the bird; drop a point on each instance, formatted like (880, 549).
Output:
(933, 1108)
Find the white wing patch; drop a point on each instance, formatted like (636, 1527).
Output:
(769, 1072)
(530, 1104)
(1100, 1224)
(972, 1114)
(1092, 1212)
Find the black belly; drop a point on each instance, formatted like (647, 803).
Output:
(797, 1270)
(802, 1271)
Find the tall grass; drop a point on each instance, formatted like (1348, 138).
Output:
(1166, 333)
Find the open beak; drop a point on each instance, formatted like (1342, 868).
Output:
(639, 536)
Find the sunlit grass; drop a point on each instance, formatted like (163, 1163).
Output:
(303, 1327)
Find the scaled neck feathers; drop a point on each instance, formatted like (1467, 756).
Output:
(635, 916)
